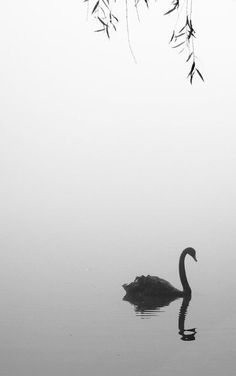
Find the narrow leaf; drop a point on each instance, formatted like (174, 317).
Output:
(172, 37)
(107, 32)
(102, 21)
(95, 7)
(200, 74)
(192, 69)
(169, 11)
(189, 57)
(115, 18)
(178, 45)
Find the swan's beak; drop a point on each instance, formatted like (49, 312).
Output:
(195, 258)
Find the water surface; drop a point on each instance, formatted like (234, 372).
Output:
(73, 321)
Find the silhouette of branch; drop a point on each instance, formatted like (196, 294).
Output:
(102, 12)
(183, 35)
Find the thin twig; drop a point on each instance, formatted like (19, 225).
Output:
(128, 32)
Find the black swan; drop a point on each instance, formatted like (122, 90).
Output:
(156, 287)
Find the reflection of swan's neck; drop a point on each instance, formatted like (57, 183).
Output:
(182, 274)
(183, 313)
(186, 334)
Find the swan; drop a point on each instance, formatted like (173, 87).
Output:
(152, 286)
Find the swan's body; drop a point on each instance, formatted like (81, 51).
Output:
(158, 287)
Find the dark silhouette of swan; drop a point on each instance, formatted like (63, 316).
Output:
(151, 286)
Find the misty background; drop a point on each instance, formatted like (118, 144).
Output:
(108, 170)
(109, 165)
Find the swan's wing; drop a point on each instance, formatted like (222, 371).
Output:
(150, 285)
(164, 287)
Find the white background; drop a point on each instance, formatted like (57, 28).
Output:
(105, 160)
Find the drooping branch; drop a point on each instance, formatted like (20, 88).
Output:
(102, 12)
(183, 34)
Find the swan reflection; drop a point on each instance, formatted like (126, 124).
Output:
(186, 334)
(147, 307)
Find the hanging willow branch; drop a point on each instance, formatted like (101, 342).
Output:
(102, 12)
(183, 34)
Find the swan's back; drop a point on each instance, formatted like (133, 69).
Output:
(151, 286)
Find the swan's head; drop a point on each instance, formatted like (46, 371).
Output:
(191, 251)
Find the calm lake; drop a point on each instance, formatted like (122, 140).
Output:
(60, 316)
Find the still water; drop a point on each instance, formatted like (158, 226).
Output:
(70, 319)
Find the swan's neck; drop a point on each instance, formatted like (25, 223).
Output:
(182, 274)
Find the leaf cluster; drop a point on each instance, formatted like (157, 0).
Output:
(102, 12)
(182, 37)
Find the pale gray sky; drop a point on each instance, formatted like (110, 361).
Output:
(98, 153)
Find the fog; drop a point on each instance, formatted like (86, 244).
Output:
(108, 166)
